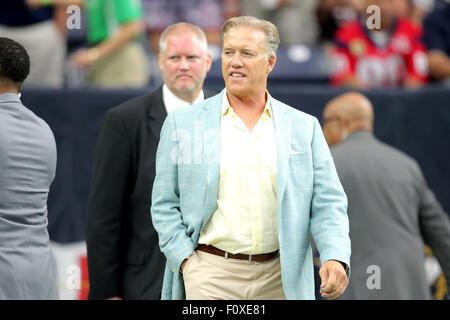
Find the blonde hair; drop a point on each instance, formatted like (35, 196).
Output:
(181, 28)
(267, 27)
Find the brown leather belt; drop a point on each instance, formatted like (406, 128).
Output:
(240, 256)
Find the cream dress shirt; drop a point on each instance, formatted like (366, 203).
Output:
(245, 220)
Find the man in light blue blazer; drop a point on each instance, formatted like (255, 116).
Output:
(242, 180)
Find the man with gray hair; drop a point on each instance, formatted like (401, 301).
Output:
(241, 181)
(124, 260)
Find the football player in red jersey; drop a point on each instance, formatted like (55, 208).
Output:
(389, 54)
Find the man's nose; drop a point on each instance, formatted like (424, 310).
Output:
(184, 64)
(236, 61)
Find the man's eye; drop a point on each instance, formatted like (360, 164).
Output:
(173, 58)
(192, 58)
(227, 53)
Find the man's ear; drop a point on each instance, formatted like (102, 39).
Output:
(208, 62)
(160, 61)
(344, 122)
(272, 61)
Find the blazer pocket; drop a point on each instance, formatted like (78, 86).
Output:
(188, 262)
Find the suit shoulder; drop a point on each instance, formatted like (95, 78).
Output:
(376, 148)
(190, 111)
(400, 155)
(136, 108)
(136, 104)
(295, 113)
(31, 116)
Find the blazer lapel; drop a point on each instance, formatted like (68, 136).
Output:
(283, 139)
(211, 151)
(157, 113)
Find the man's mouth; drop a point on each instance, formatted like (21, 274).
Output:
(184, 76)
(237, 75)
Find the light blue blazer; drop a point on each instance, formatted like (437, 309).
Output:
(310, 196)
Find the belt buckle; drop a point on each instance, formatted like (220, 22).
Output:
(250, 259)
(226, 254)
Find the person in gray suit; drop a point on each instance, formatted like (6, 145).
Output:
(27, 169)
(391, 210)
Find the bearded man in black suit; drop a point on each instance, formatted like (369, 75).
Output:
(124, 259)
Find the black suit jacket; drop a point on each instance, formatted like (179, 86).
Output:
(124, 258)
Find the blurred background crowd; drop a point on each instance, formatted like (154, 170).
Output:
(114, 43)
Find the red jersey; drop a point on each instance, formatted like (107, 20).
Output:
(402, 56)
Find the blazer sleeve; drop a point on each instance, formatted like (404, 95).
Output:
(435, 227)
(328, 222)
(106, 200)
(165, 211)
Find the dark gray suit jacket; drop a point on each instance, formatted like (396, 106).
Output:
(392, 214)
(123, 253)
(27, 169)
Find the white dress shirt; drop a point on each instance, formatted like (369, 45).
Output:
(172, 102)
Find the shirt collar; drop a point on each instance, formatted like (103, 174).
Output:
(227, 109)
(9, 97)
(172, 102)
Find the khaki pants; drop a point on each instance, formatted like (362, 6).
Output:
(127, 67)
(47, 50)
(211, 277)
